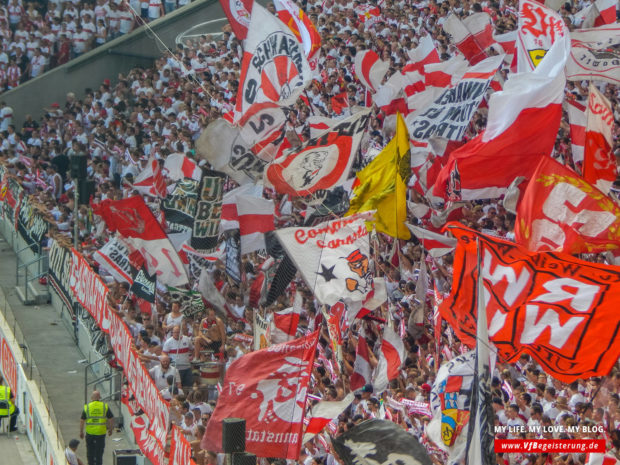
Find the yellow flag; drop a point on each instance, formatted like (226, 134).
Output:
(382, 185)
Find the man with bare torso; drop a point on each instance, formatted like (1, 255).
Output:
(212, 335)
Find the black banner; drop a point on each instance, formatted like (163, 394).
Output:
(180, 206)
(59, 273)
(31, 224)
(233, 256)
(206, 227)
(143, 285)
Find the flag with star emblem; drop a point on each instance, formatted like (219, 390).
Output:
(333, 257)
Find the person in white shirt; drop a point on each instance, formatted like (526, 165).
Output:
(80, 41)
(179, 348)
(161, 372)
(156, 10)
(70, 454)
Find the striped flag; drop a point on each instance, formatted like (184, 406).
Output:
(256, 217)
(362, 369)
(424, 54)
(323, 413)
(577, 120)
(178, 166)
(472, 35)
(369, 69)
(436, 244)
(392, 356)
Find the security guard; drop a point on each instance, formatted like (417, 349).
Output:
(98, 418)
(6, 394)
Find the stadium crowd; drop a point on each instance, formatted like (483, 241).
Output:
(154, 112)
(37, 37)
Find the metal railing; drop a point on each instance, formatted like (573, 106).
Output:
(42, 268)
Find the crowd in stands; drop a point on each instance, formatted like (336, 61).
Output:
(123, 121)
(37, 37)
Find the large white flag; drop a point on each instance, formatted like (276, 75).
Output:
(274, 69)
(539, 28)
(332, 257)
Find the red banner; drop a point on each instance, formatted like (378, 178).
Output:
(561, 310)
(268, 389)
(91, 292)
(561, 212)
(9, 367)
(180, 449)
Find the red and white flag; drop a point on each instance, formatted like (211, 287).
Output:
(300, 24)
(508, 42)
(178, 167)
(522, 126)
(285, 322)
(113, 257)
(446, 73)
(132, 219)
(370, 69)
(321, 162)
(238, 14)
(150, 180)
(275, 69)
(229, 219)
(368, 14)
(599, 13)
(392, 356)
(256, 217)
(539, 28)
(471, 35)
(599, 163)
(324, 412)
(577, 120)
(436, 244)
(593, 458)
(424, 54)
(268, 389)
(560, 212)
(362, 370)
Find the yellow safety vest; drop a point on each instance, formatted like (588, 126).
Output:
(96, 418)
(5, 394)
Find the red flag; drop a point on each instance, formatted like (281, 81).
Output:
(561, 310)
(238, 14)
(369, 69)
(340, 102)
(437, 245)
(362, 370)
(471, 35)
(133, 219)
(559, 211)
(266, 388)
(599, 13)
(508, 42)
(599, 162)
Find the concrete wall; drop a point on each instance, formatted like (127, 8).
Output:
(136, 49)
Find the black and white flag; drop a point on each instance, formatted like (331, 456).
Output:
(379, 442)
